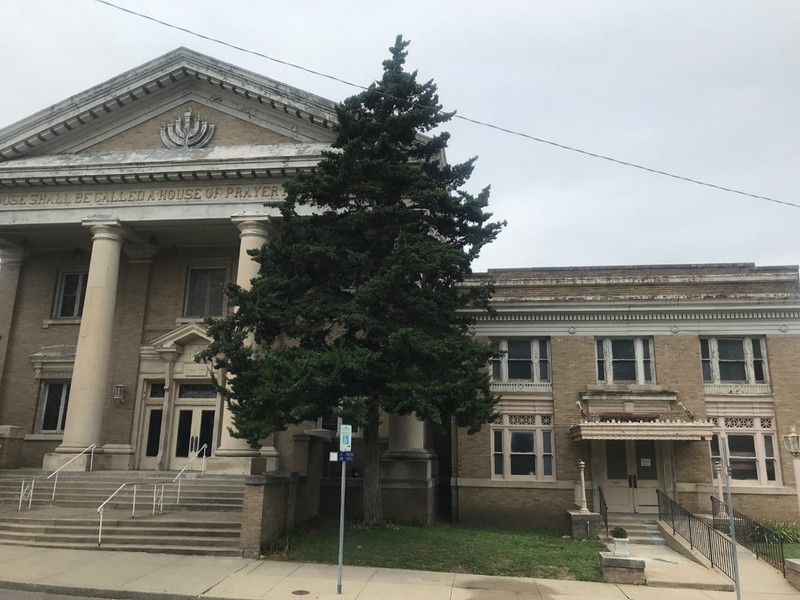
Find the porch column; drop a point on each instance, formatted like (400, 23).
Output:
(93, 354)
(409, 472)
(252, 237)
(10, 265)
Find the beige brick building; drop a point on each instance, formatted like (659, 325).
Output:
(126, 209)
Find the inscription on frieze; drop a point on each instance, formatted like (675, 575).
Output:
(140, 196)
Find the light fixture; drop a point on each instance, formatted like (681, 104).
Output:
(792, 442)
(119, 393)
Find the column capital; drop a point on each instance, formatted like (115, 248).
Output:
(12, 256)
(105, 229)
(251, 226)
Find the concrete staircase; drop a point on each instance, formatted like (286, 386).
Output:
(642, 529)
(207, 520)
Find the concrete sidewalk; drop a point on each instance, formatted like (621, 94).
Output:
(168, 576)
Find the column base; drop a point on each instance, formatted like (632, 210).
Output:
(56, 460)
(236, 465)
(408, 483)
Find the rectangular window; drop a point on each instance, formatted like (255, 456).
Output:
(521, 360)
(522, 447)
(751, 447)
(625, 360)
(205, 291)
(53, 408)
(71, 295)
(197, 390)
(733, 360)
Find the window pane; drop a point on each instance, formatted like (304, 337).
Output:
(519, 369)
(547, 442)
(758, 370)
(616, 461)
(197, 390)
(601, 370)
(153, 433)
(600, 350)
(771, 470)
(648, 372)
(742, 445)
(157, 389)
(624, 371)
(498, 464)
(548, 465)
(646, 349)
(756, 348)
(623, 349)
(730, 349)
(706, 370)
(52, 407)
(744, 469)
(69, 295)
(704, 352)
(521, 441)
(732, 371)
(544, 370)
(205, 290)
(82, 297)
(519, 349)
(524, 464)
(768, 449)
(542, 348)
(496, 372)
(498, 441)
(715, 446)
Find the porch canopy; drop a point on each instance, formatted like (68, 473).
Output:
(642, 430)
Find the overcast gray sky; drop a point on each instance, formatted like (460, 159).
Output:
(705, 89)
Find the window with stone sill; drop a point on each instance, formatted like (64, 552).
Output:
(733, 360)
(205, 292)
(71, 294)
(752, 447)
(625, 360)
(522, 360)
(53, 404)
(522, 448)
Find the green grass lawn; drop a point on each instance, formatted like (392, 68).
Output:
(519, 553)
(791, 550)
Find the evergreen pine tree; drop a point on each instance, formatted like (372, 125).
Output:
(357, 307)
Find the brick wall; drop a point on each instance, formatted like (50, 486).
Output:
(514, 507)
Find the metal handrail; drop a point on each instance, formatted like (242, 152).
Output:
(191, 460)
(89, 448)
(716, 547)
(603, 507)
(158, 499)
(762, 540)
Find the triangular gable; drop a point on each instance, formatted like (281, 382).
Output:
(161, 91)
(182, 336)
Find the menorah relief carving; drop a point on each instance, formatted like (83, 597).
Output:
(187, 132)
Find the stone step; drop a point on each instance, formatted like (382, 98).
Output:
(176, 548)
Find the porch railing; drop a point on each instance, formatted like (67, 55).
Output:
(762, 540)
(603, 508)
(716, 547)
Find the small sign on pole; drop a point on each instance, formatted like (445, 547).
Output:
(345, 455)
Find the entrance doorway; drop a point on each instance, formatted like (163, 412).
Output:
(631, 476)
(194, 428)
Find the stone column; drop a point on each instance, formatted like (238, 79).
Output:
(93, 354)
(409, 472)
(10, 265)
(235, 455)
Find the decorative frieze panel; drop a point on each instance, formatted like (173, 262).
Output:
(504, 387)
(738, 389)
(647, 429)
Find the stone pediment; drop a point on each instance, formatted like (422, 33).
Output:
(191, 334)
(181, 100)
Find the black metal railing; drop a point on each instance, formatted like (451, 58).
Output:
(712, 544)
(603, 508)
(762, 540)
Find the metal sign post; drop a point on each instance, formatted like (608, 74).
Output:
(345, 454)
(731, 520)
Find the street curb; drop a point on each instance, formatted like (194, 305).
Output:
(111, 594)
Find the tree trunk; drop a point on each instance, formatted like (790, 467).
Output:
(371, 499)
